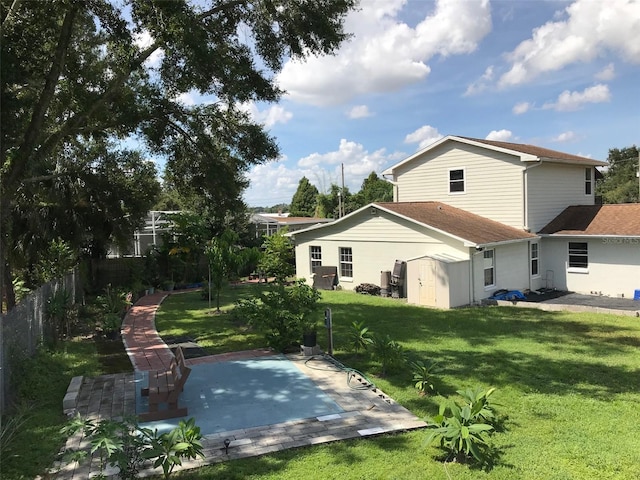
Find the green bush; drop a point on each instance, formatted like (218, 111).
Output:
(462, 432)
(359, 337)
(423, 373)
(125, 445)
(282, 314)
(388, 352)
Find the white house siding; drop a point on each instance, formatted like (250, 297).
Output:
(377, 241)
(511, 269)
(614, 265)
(551, 188)
(493, 181)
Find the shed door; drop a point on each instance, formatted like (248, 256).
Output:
(427, 282)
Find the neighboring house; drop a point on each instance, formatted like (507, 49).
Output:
(270, 223)
(465, 218)
(147, 237)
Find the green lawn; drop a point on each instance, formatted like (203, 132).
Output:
(568, 385)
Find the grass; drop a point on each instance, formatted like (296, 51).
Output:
(568, 386)
(43, 382)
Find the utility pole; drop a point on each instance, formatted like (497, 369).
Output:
(342, 190)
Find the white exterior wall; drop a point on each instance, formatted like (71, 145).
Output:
(614, 265)
(377, 241)
(493, 181)
(511, 263)
(552, 187)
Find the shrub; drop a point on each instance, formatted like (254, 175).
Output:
(125, 445)
(388, 352)
(461, 432)
(423, 372)
(281, 314)
(368, 289)
(359, 337)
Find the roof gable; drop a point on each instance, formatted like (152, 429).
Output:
(597, 220)
(471, 229)
(526, 153)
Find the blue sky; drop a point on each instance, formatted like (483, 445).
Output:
(557, 74)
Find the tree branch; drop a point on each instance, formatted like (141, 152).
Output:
(37, 118)
(12, 10)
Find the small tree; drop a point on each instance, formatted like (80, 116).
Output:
(277, 259)
(283, 314)
(305, 200)
(225, 258)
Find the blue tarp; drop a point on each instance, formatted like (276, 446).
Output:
(508, 295)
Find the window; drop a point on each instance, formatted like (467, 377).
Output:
(578, 255)
(316, 257)
(346, 262)
(489, 268)
(587, 181)
(456, 180)
(535, 269)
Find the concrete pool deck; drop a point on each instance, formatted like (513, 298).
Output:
(362, 412)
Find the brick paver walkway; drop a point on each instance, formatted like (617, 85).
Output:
(366, 412)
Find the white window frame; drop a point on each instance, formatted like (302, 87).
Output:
(534, 258)
(491, 267)
(588, 181)
(345, 257)
(463, 180)
(315, 256)
(575, 250)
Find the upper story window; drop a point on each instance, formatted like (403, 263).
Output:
(346, 262)
(489, 268)
(456, 180)
(588, 182)
(535, 260)
(315, 252)
(578, 255)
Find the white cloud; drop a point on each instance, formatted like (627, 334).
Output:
(273, 183)
(606, 74)
(424, 136)
(359, 111)
(144, 40)
(385, 53)
(589, 29)
(568, 101)
(565, 137)
(500, 135)
(269, 117)
(520, 108)
(481, 84)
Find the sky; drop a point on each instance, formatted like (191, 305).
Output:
(563, 75)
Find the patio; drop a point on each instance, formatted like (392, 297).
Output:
(336, 412)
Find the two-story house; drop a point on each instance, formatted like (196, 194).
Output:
(473, 216)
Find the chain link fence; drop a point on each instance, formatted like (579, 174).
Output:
(24, 328)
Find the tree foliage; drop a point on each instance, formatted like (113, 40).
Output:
(277, 258)
(620, 183)
(305, 200)
(74, 73)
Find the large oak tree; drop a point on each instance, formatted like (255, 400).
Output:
(73, 75)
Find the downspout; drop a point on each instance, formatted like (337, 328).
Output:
(472, 290)
(525, 193)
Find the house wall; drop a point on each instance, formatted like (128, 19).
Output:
(511, 270)
(551, 188)
(614, 265)
(493, 181)
(377, 241)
